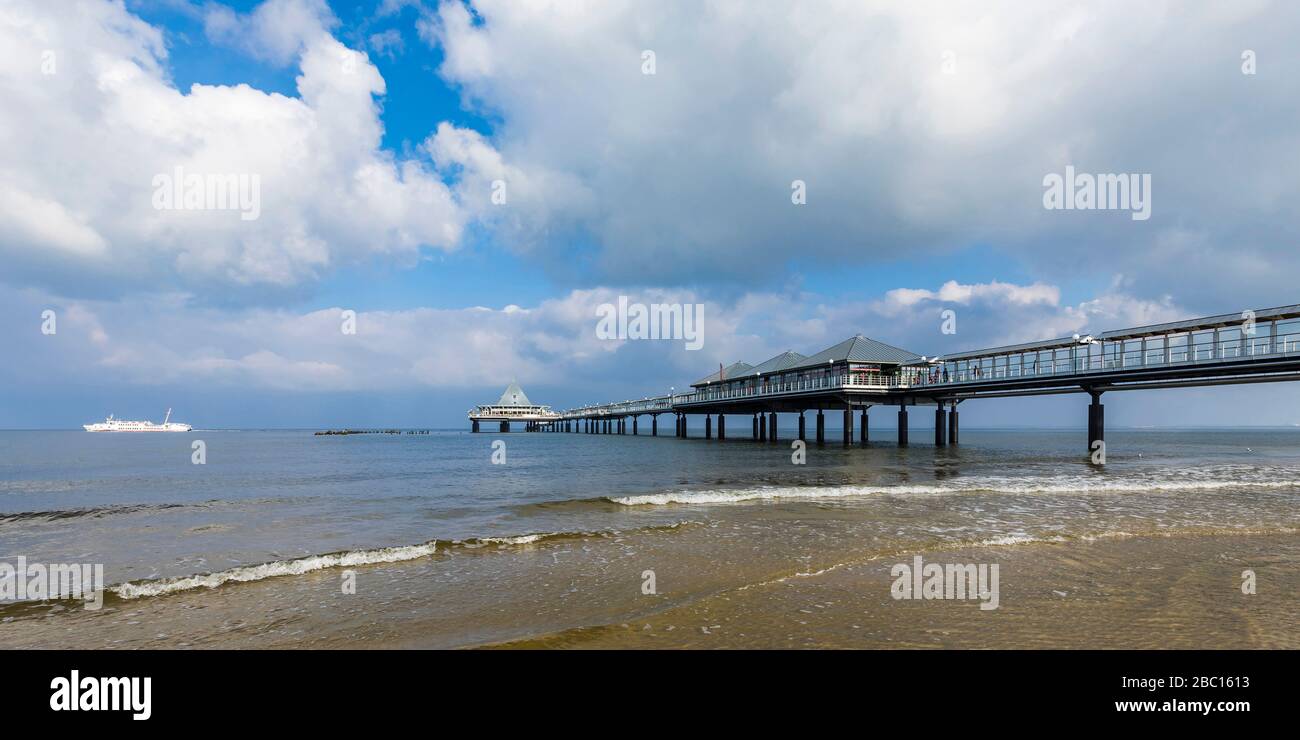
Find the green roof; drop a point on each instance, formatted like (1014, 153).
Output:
(859, 349)
(783, 361)
(514, 396)
(731, 371)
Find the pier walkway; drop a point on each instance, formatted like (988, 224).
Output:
(849, 378)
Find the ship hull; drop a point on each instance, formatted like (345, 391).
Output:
(142, 430)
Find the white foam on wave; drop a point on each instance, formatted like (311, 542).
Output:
(1061, 484)
(244, 574)
(1018, 539)
(724, 496)
(523, 539)
(300, 566)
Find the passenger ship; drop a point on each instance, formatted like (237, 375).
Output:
(118, 425)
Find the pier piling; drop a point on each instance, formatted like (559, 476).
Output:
(940, 427)
(821, 428)
(902, 425)
(1096, 422)
(863, 430)
(722, 426)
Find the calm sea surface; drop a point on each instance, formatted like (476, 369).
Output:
(446, 536)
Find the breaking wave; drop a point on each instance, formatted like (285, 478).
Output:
(346, 559)
(1255, 478)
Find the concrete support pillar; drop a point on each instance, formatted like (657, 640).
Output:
(802, 436)
(1096, 422)
(862, 427)
(722, 426)
(762, 427)
(622, 426)
(684, 433)
(505, 427)
(902, 426)
(708, 426)
(474, 426)
(848, 426)
(755, 427)
(772, 426)
(634, 423)
(821, 428)
(940, 427)
(654, 425)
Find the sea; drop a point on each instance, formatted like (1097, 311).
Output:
(447, 539)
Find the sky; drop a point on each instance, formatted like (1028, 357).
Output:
(473, 178)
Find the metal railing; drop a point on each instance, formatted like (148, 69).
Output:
(1011, 366)
(1249, 348)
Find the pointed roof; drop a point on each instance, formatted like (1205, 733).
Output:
(859, 349)
(514, 396)
(733, 370)
(783, 361)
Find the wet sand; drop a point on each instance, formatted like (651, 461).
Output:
(1161, 592)
(716, 588)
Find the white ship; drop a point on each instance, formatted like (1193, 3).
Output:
(118, 425)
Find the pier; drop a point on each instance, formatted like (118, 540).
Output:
(859, 373)
(513, 406)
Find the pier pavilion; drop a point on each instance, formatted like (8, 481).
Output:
(513, 406)
(1259, 346)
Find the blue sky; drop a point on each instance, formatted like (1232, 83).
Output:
(378, 130)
